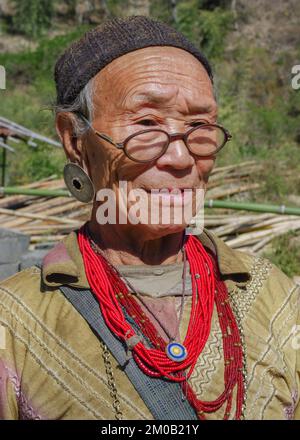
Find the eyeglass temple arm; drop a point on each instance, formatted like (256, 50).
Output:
(108, 139)
(101, 135)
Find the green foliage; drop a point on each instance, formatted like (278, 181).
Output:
(43, 161)
(26, 67)
(32, 17)
(72, 7)
(214, 28)
(163, 11)
(32, 164)
(205, 23)
(27, 100)
(261, 110)
(284, 254)
(206, 28)
(213, 4)
(29, 164)
(117, 8)
(256, 102)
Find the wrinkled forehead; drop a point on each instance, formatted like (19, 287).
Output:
(153, 75)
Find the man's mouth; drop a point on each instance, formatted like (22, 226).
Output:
(171, 194)
(171, 190)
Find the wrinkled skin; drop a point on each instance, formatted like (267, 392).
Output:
(161, 87)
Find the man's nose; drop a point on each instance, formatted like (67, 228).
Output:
(177, 156)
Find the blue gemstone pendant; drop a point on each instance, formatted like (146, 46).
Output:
(176, 352)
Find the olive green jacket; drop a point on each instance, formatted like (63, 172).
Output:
(52, 366)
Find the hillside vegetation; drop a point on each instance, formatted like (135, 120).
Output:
(251, 45)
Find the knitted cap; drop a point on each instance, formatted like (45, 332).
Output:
(112, 39)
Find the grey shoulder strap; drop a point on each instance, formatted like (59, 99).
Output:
(162, 397)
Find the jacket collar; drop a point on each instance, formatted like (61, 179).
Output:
(64, 263)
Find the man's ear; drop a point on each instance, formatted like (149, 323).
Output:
(64, 124)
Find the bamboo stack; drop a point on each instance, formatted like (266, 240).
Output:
(251, 233)
(50, 219)
(44, 219)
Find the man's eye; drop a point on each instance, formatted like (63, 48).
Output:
(147, 122)
(197, 123)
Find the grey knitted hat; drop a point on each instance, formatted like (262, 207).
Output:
(114, 38)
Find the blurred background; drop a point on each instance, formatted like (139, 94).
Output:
(252, 47)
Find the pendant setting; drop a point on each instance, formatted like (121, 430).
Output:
(176, 352)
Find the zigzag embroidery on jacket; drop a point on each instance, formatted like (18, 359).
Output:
(212, 355)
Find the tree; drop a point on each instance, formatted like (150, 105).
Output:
(33, 16)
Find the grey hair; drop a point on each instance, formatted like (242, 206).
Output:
(82, 105)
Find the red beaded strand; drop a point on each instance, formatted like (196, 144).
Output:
(233, 359)
(98, 275)
(207, 288)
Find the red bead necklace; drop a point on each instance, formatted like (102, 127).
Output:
(113, 296)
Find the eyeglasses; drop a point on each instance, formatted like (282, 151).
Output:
(147, 145)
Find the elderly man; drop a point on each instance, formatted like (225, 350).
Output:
(139, 320)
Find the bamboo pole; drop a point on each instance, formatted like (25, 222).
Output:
(225, 192)
(38, 216)
(233, 167)
(61, 205)
(257, 207)
(277, 209)
(253, 237)
(46, 238)
(34, 192)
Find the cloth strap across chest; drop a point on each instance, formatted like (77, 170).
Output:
(163, 398)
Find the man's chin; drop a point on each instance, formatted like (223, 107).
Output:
(159, 230)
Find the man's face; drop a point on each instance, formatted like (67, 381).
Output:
(157, 87)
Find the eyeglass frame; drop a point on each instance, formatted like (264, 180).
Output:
(171, 137)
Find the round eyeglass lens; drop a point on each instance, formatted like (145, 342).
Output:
(146, 146)
(206, 140)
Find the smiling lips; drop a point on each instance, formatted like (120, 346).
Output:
(168, 190)
(171, 194)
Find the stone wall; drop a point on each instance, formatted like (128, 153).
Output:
(15, 254)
